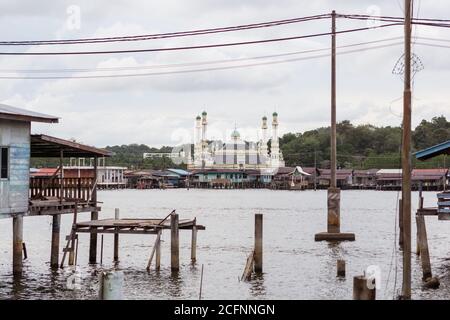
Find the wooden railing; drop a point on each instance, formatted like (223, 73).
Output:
(79, 189)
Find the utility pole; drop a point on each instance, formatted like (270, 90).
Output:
(333, 101)
(406, 158)
(315, 169)
(334, 194)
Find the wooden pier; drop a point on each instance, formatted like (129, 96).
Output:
(153, 226)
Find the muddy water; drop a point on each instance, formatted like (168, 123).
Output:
(295, 267)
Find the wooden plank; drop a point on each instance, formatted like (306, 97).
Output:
(153, 250)
(114, 231)
(423, 243)
(248, 269)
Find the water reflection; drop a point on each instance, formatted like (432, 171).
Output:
(257, 288)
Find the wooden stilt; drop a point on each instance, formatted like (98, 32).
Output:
(400, 223)
(258, 243)
(93, 241)
(174, 243)
(76, 251)
(24, 249)
(423, 243)
(54, 255)
(116, 237)
(17, 245)
(94, 216)
(155, 246)
(341, 268)
(194, 242)
(101, 250)
(420, 207)
(158, 253)
(72, 252)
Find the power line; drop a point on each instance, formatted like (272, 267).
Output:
(193, 47)
(187, 64)
(211, 30)
(165, 35)
(433, 45)
(194, 70)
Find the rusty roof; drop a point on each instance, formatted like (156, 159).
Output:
(50, 147)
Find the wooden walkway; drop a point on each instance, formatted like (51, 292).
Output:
(55, 206)
(133, 226)
(118, 226)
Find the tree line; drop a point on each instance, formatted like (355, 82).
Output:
(363, 146)
(358, 147)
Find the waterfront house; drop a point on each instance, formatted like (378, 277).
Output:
(224, 178)
(22, 194)
(344, 178)
(15, 145)
(365, 179)
(290, 178)
(183, 177)
(389, 179)
(429, 179)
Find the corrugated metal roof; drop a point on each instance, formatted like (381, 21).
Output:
(13, 113)
(180, 172)
(389, 171)
(50, 147)
(434, 151)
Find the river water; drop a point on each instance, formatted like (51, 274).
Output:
(295, 266)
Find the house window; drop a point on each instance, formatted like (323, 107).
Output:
(4, 165)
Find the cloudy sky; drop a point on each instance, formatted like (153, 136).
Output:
(160, 109)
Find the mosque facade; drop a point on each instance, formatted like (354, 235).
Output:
(236, 153)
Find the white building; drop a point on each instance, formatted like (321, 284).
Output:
(236, 153)
(109, 177)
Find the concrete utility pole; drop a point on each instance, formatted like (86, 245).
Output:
(334, 194)
(406, 158)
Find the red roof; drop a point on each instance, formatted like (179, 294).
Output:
(43, 172)
(341, 174)
(428, 174)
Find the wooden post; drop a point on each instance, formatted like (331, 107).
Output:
(423, 244)
(101, 250)
(24, 249)
(73, 236)
(116, 237)
(400, 223)
(71, 261)
(94, 216)
(406, 157)
(417, 229)
(341, 268)
(194, 242)
(61, 176)
(361, 291)
(174, 243)
(334, 194)
(76, 251)
(158, 252)
(258, 243)
(17, 244)
(54, 255)
(333, 102)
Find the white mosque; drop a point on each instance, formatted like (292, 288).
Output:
(236, 153)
